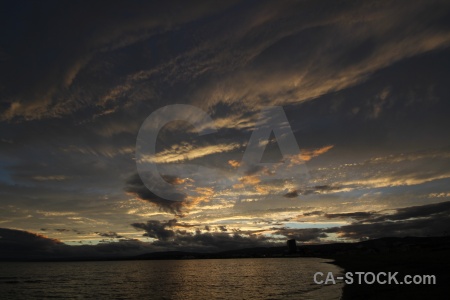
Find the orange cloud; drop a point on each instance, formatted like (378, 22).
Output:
(186, 151)
(175, 180)
(204, 195)
(307, 155)
(238, 186)
(234, 163)
(250, 180)
(262, 190)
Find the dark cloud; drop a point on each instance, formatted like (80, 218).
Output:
(222, 228)
(425, 220)
(354, 215)
(136, 187)
(318, 189)
(435, 225)
(254, 169)
(313, 213)
(414, 212)
(112, 235)
(171, 238)
(292, 194)
(172, 179)
(53, 60)
(157, 229)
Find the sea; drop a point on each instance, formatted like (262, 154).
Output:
(244, 278)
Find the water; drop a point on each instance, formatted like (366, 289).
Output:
(269, 278)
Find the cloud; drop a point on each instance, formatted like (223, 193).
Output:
(414, 212)
(438, 195)
(221, 240)
(186, 151)
(313, 213)
(327, 65)
(250, 180)
(318, 189)
(396, 170)
(50, 81)
(395, 180)
(100, 150)
(410, 157)
(56, 213)
(437, 225)
(222, 228)
(156, 229)
(174, 235)
(261, 57)
(292, 194)
(363, 85)
(307, 155)
(136, 187)
(425, 220)
(234, 163)
(110, 234)
(179, 207)
(173, 179)
(353, 215)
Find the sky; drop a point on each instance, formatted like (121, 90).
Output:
(361, 88)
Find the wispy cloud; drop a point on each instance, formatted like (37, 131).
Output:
(185, 152)
(363, 86)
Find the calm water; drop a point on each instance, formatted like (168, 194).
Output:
(271, 278)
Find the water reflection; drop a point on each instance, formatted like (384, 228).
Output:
(283, 278)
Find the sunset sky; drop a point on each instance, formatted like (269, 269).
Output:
(364, 86)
